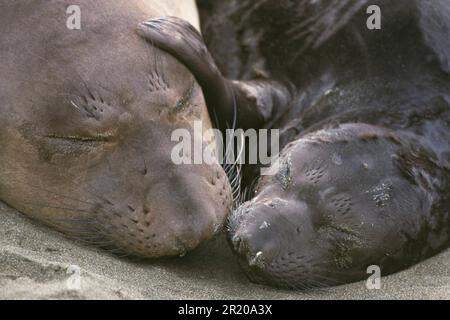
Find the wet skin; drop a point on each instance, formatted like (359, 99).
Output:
(365, 161)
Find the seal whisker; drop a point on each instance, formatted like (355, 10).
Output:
(233, 170)
(53, 193)
(324, 280)
(95, 241)
(58, 208)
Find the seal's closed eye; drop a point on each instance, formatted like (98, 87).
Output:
(253, 100)
(184, 100)
(96, 138)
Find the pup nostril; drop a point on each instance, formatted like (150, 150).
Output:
(257, 260)
(243, 248)
(236, 241)
(254, 258)
(131, 208)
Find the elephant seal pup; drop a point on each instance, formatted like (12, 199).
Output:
(86, 118)
(365, 131)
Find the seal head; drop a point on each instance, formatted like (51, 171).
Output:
(343, 199)
(86, 125)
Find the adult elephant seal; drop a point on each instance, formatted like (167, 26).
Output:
(86, 118)
(365, 129)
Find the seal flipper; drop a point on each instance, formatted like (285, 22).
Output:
(253, 101)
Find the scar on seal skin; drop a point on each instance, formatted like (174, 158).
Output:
(86, 118)
(364, 173)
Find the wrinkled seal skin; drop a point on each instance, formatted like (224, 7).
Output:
(86, 118)
(365, 165)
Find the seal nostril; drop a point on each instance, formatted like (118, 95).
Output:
(131, 208)
(236, 243)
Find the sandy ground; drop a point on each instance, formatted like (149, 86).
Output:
(34, 264)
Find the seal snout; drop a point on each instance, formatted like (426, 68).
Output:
(276, 242)
(167, 217)
(266, 228)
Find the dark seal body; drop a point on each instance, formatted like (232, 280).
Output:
(365, 138)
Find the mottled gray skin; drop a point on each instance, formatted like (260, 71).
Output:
(365, 135)
(85, 128)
